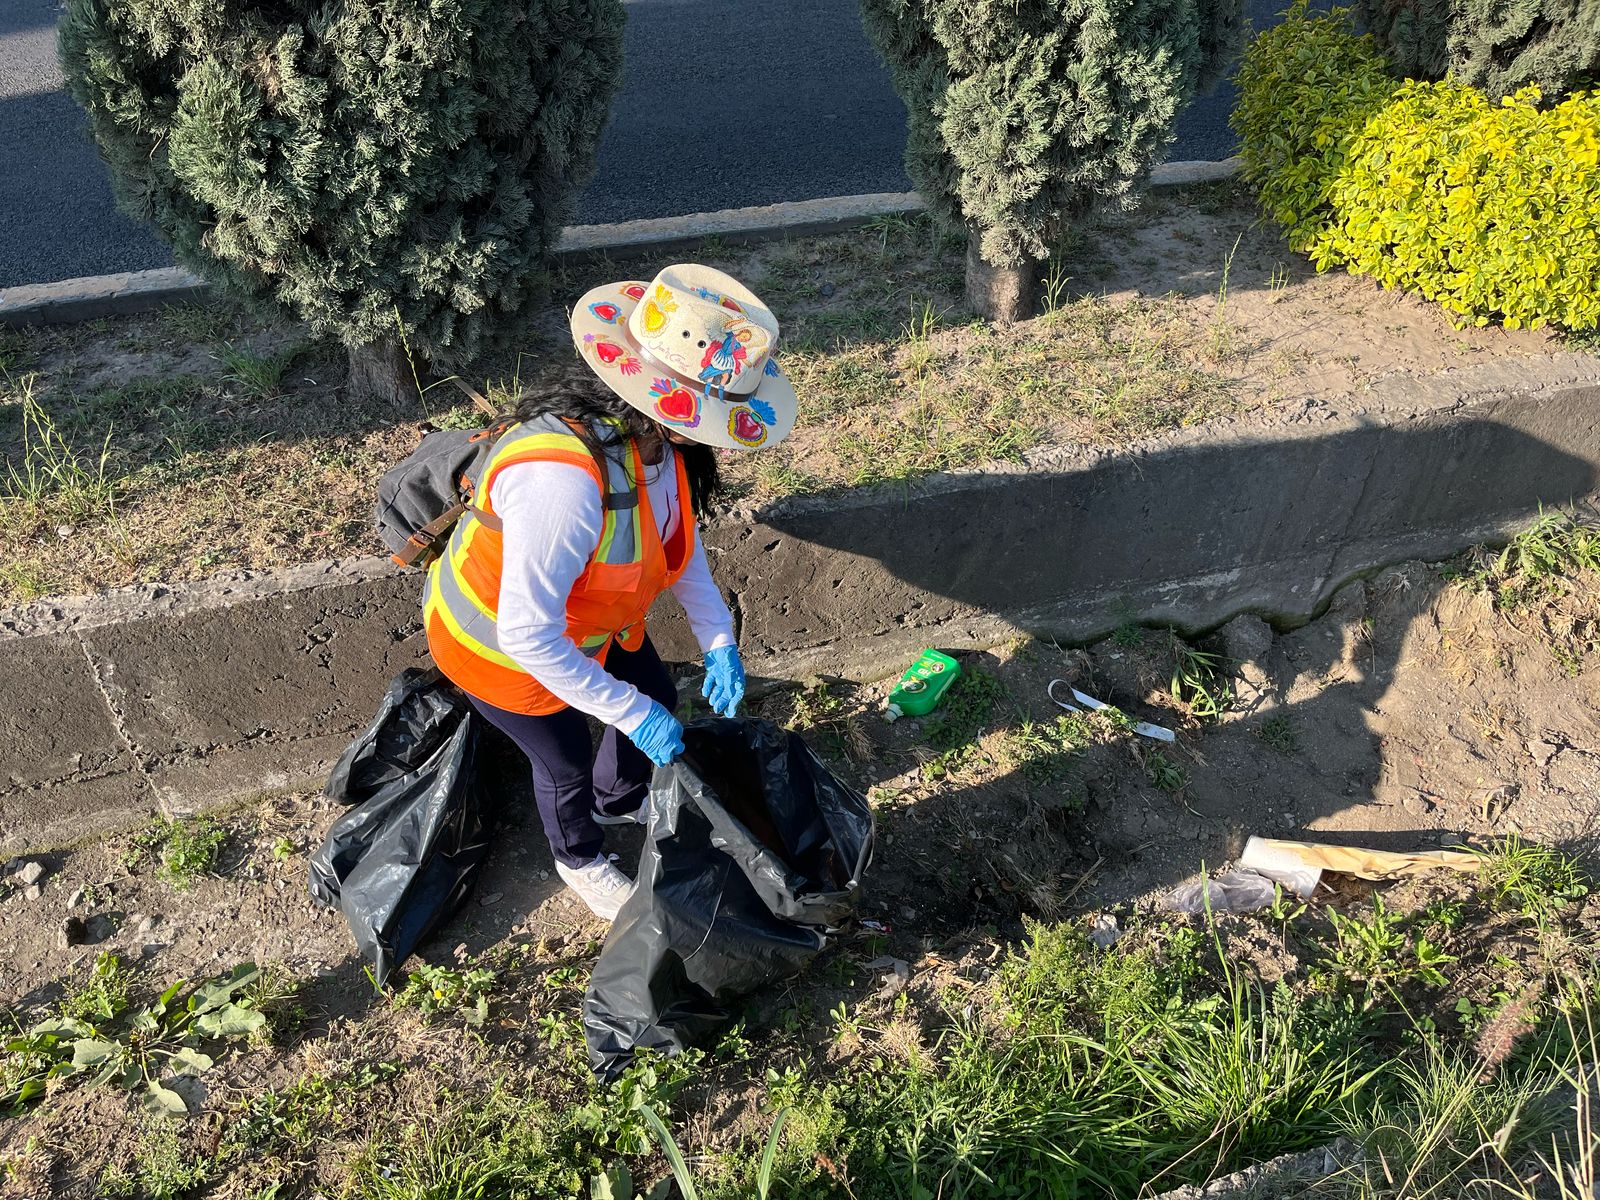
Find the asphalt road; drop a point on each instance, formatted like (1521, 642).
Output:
(801, 109)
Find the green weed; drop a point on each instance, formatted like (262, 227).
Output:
(478, 1148)
(104, 997)
(957, 724)
(1278, 733)
(1537, 564)
(188, 850)
(1043, 753)
(434, 989)
(1199, 681)
(159, 1168)
(134, 1049)
(1165, 774)
(1374, 956)
(1535, 880)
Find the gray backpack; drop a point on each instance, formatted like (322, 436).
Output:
(421, 498)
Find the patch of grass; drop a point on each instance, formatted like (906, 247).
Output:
(1043, 753)
(1538, 563)
(160, 1167)
(259, 376)
(819, 711)
(1088, 1075)
(955, 726)
(1278, 733)
(52, 480)
(21, 582)
(1536, 881)
(198, 322)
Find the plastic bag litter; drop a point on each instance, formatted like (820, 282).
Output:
(407, 855)
(754, 854)
(1232, 891)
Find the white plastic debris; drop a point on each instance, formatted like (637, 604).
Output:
(1142, 728)
(1232, 891)
(1105, 931)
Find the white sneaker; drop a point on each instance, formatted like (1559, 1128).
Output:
(599, 885)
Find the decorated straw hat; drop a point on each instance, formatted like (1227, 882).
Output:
(694, 349)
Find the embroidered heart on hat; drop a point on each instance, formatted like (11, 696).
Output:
(745, 427)
(606, 311)
(634, 291)
(608, 352)
(675, 404)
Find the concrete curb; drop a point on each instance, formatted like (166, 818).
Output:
(96, 296)
(170, 699)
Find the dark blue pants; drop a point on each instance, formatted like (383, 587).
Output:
(568, 787)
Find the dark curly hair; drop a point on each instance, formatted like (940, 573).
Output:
(575, 393)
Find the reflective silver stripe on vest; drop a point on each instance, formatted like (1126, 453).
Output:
(620, 506)
(480, 628)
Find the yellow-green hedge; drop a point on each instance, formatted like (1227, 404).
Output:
(1491, 209)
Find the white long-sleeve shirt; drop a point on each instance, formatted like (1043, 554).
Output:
(552, 519)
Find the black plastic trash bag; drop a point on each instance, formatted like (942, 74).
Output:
(755, 853)
(406, 856)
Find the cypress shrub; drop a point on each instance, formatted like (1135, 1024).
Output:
(371, 167)
(1499, 46)
(1026, 114)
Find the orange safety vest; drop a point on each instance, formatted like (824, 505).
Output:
(627, 571)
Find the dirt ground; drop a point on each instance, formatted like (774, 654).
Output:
(1412, 715)
(205, 427)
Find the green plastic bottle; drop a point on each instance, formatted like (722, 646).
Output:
(922, 687)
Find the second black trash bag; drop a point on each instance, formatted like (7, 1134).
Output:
(407, 853)
(755, 853)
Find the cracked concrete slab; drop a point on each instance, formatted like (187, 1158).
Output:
(262, 694)
(65, 769)
(234, 686)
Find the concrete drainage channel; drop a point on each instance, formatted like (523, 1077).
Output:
(173, 699)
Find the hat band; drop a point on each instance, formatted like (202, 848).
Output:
(692, 382)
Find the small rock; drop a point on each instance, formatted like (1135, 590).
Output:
(75, 899)
(897, 974)
(908, 914)
(65, 531)
(73, 932)
(34, 892)
(30, 873)
(1416, 803)
(1246, 639)
(490, 899)
(543, 875)
(143, 926)
(1106, 931)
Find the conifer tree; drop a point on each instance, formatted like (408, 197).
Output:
(1496, 45)
(1026, 114)
(372, 167)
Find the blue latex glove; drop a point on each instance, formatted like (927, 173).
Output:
(724, 680)
(659, 735)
